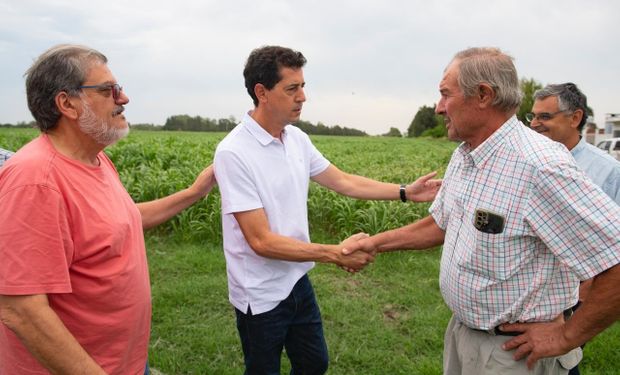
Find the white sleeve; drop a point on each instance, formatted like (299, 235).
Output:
(236, 183)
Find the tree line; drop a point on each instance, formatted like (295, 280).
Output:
(205, 124)
(20, 124)
(425, 123)
(197, 123)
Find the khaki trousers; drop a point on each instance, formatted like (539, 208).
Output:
(471, 352)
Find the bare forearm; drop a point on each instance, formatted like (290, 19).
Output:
(422, 234)
(274, 246)
(161, 210)
(599, 310)
(423, 189)
(364, 188)
(268, 244)
(355, 186)
(48, 340)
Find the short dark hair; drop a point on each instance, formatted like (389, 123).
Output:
(570, 98)
(61, 68)
(264, 64)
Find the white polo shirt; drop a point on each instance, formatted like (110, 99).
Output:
(255, 170)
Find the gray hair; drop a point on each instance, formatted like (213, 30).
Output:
(570, 98)
(61, 68)
(493, 67)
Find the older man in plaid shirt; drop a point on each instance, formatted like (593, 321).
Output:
(521, 224)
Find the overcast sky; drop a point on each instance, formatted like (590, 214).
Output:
(371, 64)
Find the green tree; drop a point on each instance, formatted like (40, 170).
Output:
(424, 119)
(226, 124)
(394, 132)
(438, 131)
(528, 88)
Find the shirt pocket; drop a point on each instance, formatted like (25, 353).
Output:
(496, 257)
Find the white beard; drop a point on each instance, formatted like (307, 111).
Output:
(98, 129)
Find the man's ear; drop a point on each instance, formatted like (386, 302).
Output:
(576, 118)
(485, 95)
(261, 92)
(67, 105)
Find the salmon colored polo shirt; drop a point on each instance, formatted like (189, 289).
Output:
(72, 231)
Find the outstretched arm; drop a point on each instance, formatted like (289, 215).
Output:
(423, 189)
(45, 336)
(422, 234)
(599, 311)
(264, 242)
(160, 210)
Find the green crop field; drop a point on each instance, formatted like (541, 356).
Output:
(388, 319)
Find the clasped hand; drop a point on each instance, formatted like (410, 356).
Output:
(353, 255)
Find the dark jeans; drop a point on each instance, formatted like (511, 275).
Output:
(295, 324)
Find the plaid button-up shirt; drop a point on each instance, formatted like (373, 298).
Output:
(558, 227)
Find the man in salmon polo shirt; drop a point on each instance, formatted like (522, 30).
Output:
(74, 283)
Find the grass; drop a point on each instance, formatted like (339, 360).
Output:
(383, 320)
(388, 319)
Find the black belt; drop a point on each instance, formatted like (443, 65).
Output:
(497, 332)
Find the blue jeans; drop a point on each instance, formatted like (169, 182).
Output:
(295, 324)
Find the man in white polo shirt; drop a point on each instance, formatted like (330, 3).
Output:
(263, 168)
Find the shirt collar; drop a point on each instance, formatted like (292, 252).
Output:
(580, 146)
(261, 135)
(487, 148)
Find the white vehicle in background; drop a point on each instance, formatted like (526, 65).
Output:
(611, 146)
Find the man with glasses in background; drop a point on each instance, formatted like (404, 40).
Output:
(74, 283)
(560, 112)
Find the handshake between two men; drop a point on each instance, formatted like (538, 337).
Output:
(360, 249)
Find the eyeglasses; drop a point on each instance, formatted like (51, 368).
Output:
(114, 87)
(545, 116)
